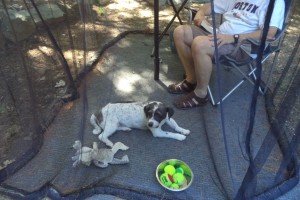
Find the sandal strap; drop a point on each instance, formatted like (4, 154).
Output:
(182, 87)
(190, 101)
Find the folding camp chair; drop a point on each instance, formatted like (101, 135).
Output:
(273, 48)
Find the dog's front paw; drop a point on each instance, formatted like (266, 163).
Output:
(185, 132)
(181, 137)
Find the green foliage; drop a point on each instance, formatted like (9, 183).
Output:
(101, 10)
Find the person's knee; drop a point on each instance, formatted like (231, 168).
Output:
(181, 32)
(178, 32)
(200, 46)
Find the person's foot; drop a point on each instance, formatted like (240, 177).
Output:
(190, 101)
(182, 87)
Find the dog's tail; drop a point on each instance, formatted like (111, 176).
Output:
(95, 122)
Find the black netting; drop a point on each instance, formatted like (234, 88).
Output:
(62, 60)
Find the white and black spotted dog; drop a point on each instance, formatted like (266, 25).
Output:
(139, 115)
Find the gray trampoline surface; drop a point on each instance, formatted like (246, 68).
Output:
(125, 73)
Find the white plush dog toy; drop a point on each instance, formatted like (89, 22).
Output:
(100, 157)
(140, 115)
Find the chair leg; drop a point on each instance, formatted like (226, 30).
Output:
(245, 77)
(211, 96)
(252, 69)
(251, 73)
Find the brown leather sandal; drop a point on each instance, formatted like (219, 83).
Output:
(190, 101)
(182, 87)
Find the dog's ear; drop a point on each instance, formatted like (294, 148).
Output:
(170, 112)
(149, 107)
(146, 109)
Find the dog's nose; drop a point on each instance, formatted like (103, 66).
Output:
(150, 124)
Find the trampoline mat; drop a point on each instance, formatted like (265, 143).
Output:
(118, 77)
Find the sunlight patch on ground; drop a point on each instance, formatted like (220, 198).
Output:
(146, 13)
(79, 54)
(292, 30)
(126, 81)
(124, 44)
(40, 51)
(127, 4)
(125, 8)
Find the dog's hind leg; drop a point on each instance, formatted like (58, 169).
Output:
(172, 123)
(104, 139)
(108, 131)
(94, 121)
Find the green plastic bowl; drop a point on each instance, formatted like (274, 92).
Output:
(188, 173)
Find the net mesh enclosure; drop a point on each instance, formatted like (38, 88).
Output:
(62, 60)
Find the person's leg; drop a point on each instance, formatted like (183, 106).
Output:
(202, 53)
(183, 38)
(196, 55)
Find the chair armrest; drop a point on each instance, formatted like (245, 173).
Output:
(278, 36)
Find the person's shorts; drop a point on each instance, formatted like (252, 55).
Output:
(231, 50)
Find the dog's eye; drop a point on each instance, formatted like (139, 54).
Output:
(149, 114)
(158, 116)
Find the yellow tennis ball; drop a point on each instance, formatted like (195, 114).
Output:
(178, 178)
(166, 179)
(170, 169)
(174, 186)
(161, 167)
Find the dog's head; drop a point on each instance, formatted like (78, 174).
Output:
(157, 113)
